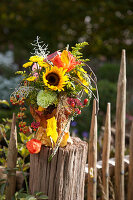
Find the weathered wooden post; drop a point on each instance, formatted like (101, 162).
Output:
(63, 177)
(92, 156)
(120, 130)
(106, 152)
(130, 177)
(11, 161)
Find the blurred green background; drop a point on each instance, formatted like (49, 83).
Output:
(106, 25)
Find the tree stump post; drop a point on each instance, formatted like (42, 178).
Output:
(63, 177)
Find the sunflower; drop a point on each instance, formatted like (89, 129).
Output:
(55, 78)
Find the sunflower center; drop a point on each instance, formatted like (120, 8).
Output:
(53, 79)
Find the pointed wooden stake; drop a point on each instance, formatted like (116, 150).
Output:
(106, 152)
(92, 156)
(120, 130)
(11, 161)
(130, 176)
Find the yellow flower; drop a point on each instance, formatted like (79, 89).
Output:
(55, 78)
(28, 64)
(51, 129)
(43, 64)
(31, 78)
(82, 79)
(36, 58)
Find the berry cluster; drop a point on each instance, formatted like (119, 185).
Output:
(20, 115)
(22, 108)
(76, 104)
(22, 124)
(17, 101)
(20, 101)
(35, 125)
(25, 129)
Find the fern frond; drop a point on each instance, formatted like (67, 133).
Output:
(76, 51)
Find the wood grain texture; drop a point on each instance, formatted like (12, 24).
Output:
(106, 152)
(120, 130)
(92, 156)
(130, 177)
(62, 178)
(11, 161)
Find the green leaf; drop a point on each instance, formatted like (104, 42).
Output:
(26, 166)
(4, 102)
(24, 138)
(2, 188)
(3, 119)
(38, 193)
(13, 198)
(3, 160)
(2, 180)
(5, 172)
(23, 150)
(43, 197)
(22, 195)
(30, 197)
(7, 126)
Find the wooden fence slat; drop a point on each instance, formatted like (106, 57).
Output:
(11, 161)
(120, 130)
(130, 175)
(92, 156)
(106, 153)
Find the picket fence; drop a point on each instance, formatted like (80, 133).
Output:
(120, 160)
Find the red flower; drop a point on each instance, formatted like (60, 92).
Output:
(34, 146)
(65, 60)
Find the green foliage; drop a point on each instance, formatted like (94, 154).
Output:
(22, 150)
(2, 187)
(109, 72)
(4, 128)
(107, 93)
(25, 138)
(21, 195)
(32, 98)
(106, 25)
(76, 51)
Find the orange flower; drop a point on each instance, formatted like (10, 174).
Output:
(65, 60)
(34, 146)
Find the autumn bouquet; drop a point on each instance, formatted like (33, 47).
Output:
(53, 85)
